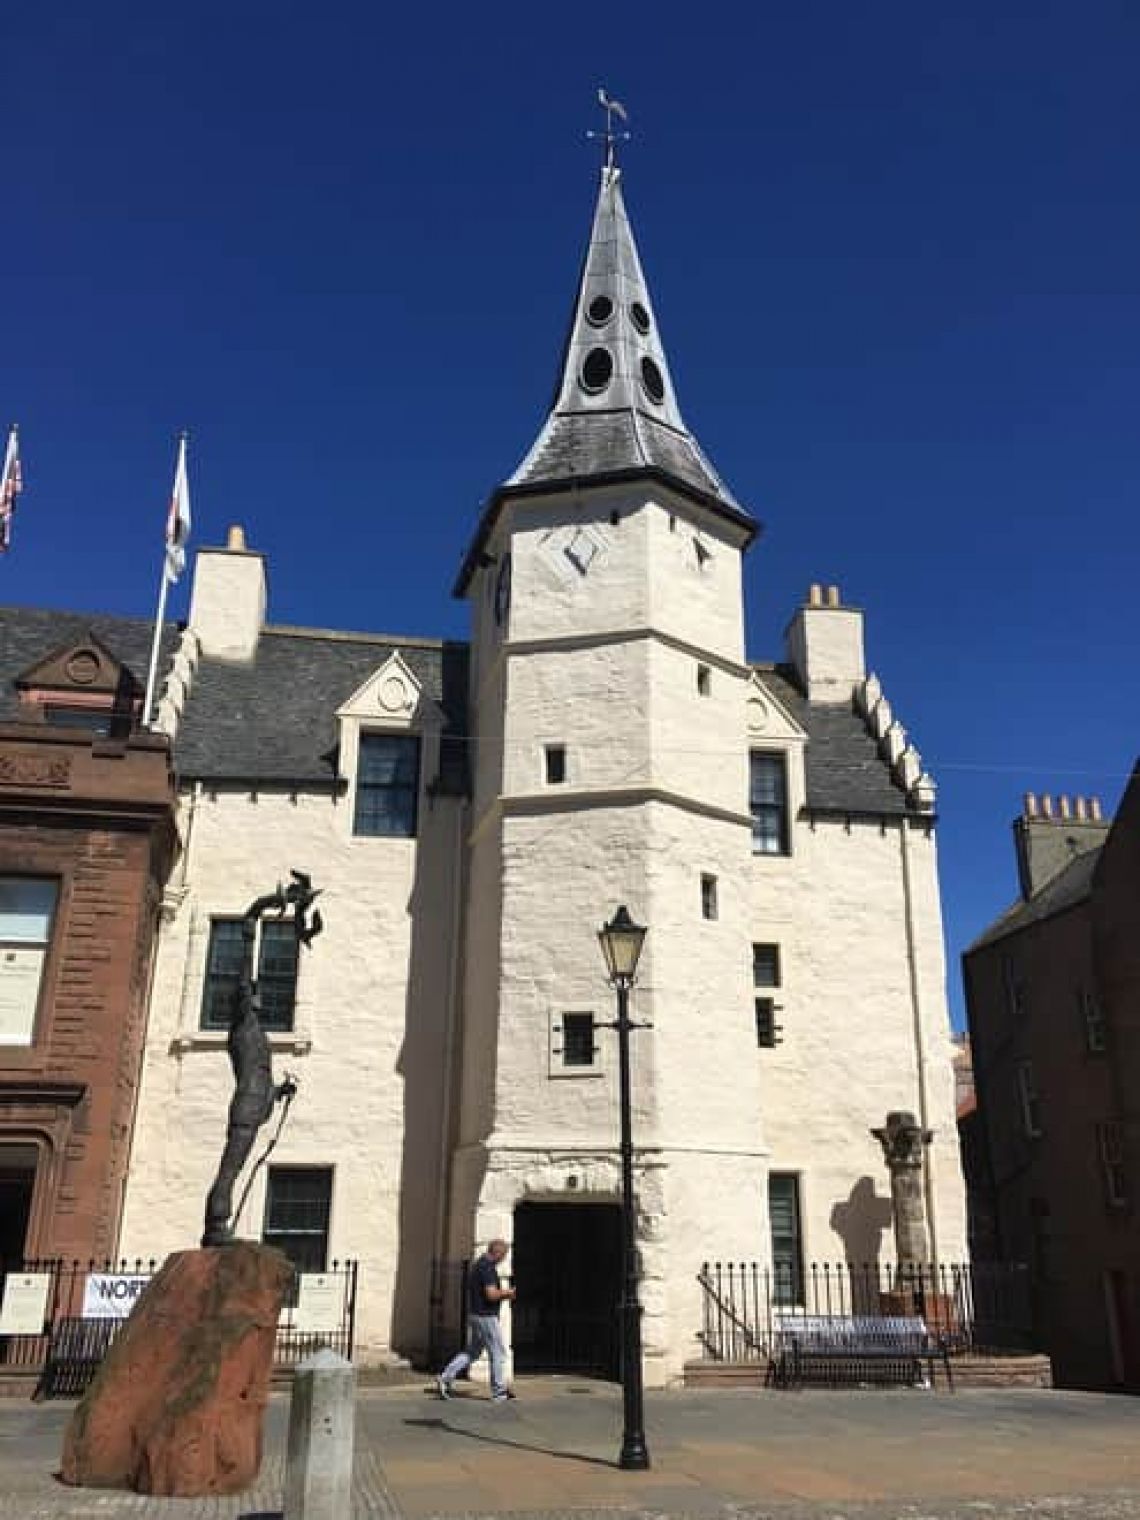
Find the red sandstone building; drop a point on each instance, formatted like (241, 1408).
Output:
(1053, 999)
(86, 841)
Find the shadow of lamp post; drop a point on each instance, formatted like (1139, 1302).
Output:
(621, 941)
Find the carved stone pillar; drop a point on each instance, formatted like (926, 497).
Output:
(903, 1140)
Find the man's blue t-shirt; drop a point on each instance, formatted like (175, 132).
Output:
(483, 1275)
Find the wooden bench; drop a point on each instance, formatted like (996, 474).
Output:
(856, 1349)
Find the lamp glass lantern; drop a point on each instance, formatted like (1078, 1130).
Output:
(621, 941)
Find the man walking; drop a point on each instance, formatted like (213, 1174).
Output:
(485, 1293)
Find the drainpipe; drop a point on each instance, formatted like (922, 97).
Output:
(919, 1039)
(443, 1205)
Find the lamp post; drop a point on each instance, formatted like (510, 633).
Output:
(621, 941)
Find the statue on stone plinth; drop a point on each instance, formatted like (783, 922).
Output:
(904, 1141)
(255, 1092)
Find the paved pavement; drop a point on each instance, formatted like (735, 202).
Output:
(717, 1455)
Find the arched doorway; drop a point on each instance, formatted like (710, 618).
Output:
(567, 1267)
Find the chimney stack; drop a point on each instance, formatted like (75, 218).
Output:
(825, 645)
(227, 602)
(1047, 839)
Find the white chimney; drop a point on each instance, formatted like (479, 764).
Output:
(227, 603)
(825, 644)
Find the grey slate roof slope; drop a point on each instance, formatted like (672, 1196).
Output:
(1067, 889)
(275, 718)
(845, 772)
(29, 634)
(578, 446)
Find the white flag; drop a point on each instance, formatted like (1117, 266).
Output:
(178, 518)
(11, 484)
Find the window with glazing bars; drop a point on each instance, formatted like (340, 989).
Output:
(276, 973)
(787, 1245)
(766, 974)
(298, 1203)
(387, 786)
(768, 803)
(577, 1039)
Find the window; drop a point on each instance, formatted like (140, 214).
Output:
(555, 764)
(766, 973)
(276, 974)
(787, 1246)
(96, 720)
(708, 896)
(1014, 984)
(27, 908)
(1092, 1020)
(577, 1039)
(768, 803)
(387, 784)
(704, 681)
(1110, 1150)
(298, 1202)
(1029, 1099)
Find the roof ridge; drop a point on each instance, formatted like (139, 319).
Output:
(349, 636)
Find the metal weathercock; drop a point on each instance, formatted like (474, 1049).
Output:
(612, 108)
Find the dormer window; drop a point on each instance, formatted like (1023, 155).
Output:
(387, 785)
(83, 686)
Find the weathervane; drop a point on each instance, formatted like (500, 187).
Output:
(609, 137)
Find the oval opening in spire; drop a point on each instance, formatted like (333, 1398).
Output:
(653, 381)
(599, 311)
(597, 368)
(640, 316)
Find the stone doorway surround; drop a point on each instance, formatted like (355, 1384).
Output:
(36, 1123)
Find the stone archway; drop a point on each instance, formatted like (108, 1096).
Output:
(567, 1266)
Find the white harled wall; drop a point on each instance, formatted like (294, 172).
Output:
(373, 997)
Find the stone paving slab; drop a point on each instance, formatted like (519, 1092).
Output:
(717, 1455)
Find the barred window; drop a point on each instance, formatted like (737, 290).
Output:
(298, 1203)
(768, 803)
(766, 973)
(387, 786)
(787, 1243)
(1030, 1100)
(1092, 1021)
(577, 1039)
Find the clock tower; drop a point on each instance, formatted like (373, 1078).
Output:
(610, 765)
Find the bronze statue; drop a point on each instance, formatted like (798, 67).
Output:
(255, 1093)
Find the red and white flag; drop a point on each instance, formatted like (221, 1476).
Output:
(11, 484)
(178, 518)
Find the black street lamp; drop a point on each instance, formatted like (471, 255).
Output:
(621, 941)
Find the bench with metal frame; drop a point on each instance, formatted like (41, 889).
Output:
(856, 1349)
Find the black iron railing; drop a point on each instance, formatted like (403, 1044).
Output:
(85, 1306)
(985, 1306)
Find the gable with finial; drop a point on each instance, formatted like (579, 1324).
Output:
(767, 720)
(392, 696)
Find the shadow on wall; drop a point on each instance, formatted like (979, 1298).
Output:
(861, 1220)
(432, 965)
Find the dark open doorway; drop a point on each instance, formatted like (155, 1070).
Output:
(567, 1266)
(17, 1183)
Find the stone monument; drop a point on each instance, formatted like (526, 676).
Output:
(177, 1407)
(903, 1140)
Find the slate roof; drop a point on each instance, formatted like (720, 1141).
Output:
(29, 634)
(1068, 888)
(578, 445)
(845, 772)
(274, 719)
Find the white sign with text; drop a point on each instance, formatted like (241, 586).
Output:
(319, 1304)
(24, 1308)
(111, 1295)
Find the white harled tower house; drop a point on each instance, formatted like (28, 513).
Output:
(609, 691)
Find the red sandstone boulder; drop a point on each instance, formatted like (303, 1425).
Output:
(177, 1406)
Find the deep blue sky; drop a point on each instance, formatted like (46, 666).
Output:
(894, 250)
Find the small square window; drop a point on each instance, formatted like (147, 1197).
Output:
(555, 764)
(704, 681)
(577, 1039)
(708, 897)
(766, 965)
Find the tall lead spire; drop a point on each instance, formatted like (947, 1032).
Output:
(615, 409)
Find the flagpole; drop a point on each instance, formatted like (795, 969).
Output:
(152, 673)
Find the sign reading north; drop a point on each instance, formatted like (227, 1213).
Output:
(111, 1295)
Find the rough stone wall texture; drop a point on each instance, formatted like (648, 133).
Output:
(89, 1030)
(368, 1046)
(836, 907)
